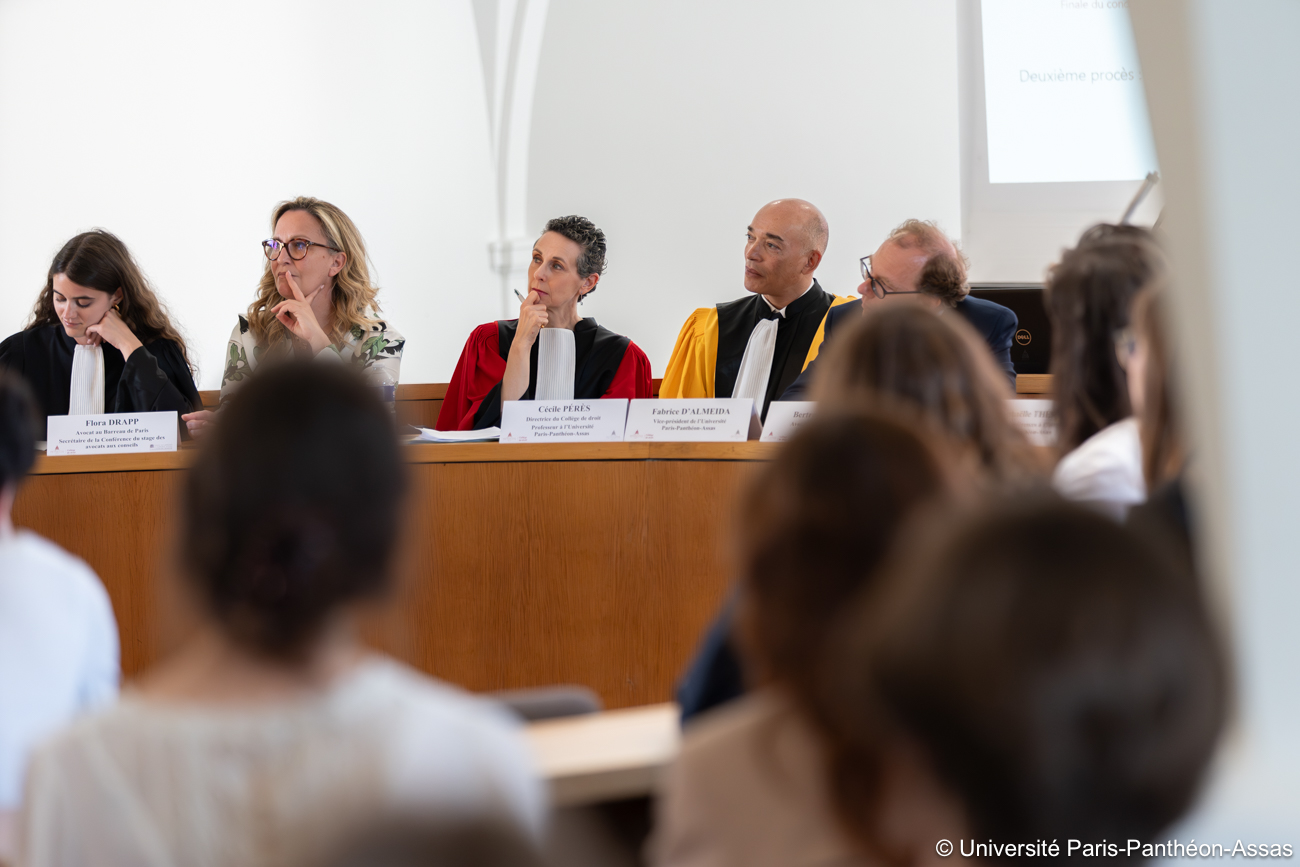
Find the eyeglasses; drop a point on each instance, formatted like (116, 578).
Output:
(297, 248)
(877, 285)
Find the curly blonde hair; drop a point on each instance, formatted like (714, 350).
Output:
(353, 296)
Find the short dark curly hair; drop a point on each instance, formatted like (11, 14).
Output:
(586, 235)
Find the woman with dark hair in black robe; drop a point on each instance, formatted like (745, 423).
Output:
(99, 340)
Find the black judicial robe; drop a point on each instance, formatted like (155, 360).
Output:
(706, 359)
(606, 365)
(154, 379)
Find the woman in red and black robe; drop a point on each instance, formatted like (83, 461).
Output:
(499, 362)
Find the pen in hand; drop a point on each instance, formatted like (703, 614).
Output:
(517, 295)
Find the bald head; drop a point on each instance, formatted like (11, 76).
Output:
(802, 220)
(784, 246)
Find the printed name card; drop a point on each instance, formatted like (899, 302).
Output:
(1036, 420)
(557, 421)
(725, 420)
(784, 417)
(110, 432)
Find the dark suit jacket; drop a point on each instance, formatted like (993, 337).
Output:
(995, 323)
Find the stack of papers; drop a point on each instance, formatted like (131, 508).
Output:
(428, 435)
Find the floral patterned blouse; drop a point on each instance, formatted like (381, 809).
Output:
(377, 351)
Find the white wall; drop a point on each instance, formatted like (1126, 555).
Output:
(670, 123)
(1218, 76)
(170, 124)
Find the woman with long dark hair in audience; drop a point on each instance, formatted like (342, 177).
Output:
(315, 299)
(1153, 390)
(749, 787)
(933, 369)
(99, 339)
(1090, 293)
(1029, 673)
(273, 735)
(939, 370)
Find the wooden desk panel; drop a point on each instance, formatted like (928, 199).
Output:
(124, 535)
(417, 403)
(524, 565)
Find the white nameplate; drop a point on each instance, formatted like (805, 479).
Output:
(725, 420)
(558, 421)
(1035, 419)
(110, 432)
(784, 417)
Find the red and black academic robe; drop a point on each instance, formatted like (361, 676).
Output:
(607, 365)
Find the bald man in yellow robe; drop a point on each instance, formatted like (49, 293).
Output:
(756, 346)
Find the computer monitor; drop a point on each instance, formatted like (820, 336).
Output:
(1031, 348)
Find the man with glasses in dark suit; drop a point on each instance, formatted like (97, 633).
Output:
(919, 264)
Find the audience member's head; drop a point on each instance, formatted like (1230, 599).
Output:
(904, 358)
(292, 508)
(1146, 355)
(319, 246)
(916, 263)
(1089, 295)
(19, 430)
(813, 528)
(784, 245)
(1037, 672)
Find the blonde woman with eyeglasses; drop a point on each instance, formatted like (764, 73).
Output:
(315, 299)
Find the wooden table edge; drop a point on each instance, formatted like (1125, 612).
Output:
(609, 785)
(442, 453)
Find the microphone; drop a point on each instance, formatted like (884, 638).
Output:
(1148, 184)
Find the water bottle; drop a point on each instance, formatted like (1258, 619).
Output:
(381, 378)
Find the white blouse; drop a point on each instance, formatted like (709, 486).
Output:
(377, 352)
(146, 783)
(1105, 471)
(58, 649)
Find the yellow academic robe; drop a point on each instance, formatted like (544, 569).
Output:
(692, 369)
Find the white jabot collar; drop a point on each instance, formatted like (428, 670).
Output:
(556, 364)
(86, 392)
(756, 364)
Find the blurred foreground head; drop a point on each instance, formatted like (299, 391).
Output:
(1089, 297)
(815, 526)
(20, 428)
(1044, 669)
(907, 359)
(292, 508)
